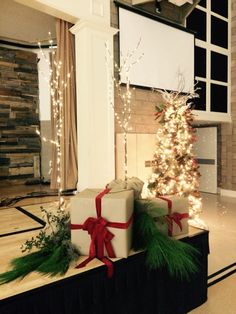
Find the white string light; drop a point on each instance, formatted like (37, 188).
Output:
(175, 168)
(57, 87)
(124, 93)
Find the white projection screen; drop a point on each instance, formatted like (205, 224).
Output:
(168, 53)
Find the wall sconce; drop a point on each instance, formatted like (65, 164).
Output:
(158, 6)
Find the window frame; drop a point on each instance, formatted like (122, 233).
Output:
(208, 114)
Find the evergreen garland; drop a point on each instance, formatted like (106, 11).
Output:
(55, 250)
(162, 251)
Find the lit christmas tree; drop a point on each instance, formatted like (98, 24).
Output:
(175, 170)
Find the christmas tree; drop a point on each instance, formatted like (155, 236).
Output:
(175, 170)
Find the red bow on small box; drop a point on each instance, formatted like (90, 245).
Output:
(100, 236)
(173, 217)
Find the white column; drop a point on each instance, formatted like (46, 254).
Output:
(95, 116)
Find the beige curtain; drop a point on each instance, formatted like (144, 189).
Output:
(66, 54)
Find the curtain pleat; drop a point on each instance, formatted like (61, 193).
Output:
(66, 54)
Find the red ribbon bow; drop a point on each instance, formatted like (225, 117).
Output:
(100, 235)
(173, 217)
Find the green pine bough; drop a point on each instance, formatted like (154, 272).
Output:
(162, 251)
(54, 254)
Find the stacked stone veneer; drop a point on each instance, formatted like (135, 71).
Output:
(19, 117)
(46, 150)
(228, 130)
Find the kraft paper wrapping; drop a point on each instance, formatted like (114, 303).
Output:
(116, 207)
(179, 205)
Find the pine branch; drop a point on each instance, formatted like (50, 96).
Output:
(24, 265)
(55, 254)
(57, 263)
(178, 257)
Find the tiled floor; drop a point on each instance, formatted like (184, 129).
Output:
(221, 298)
(219, 213)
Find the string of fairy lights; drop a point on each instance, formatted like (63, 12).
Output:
(175, 170)
(121, 82)
(57, 87)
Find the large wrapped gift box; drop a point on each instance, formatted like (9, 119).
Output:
(116, 209)
(176, 214)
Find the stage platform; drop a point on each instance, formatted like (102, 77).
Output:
(132, 290)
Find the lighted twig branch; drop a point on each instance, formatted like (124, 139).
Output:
(122, 76)
(57, 88)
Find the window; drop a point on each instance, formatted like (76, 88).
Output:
(210, 20)
(219, 67)
(200, 62)
(202, 3)
(220, 7)
(219, 32)
(218, 98)
(200, 102)
(197, 23)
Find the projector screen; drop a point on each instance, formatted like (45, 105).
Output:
(168, 53)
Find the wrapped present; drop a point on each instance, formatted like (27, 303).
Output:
(133, 183)
(101, 224)
(177, 213)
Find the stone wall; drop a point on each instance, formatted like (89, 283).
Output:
(228, 130)
(19, 144)
(46, 150)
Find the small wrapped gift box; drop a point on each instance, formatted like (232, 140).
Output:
(101, 222)
(176, 214)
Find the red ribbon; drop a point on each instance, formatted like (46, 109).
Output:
(173, 217)
(169, 202)
(100, 235)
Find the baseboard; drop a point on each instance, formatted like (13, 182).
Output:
(229, 193)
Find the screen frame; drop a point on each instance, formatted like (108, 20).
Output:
(157, 18)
